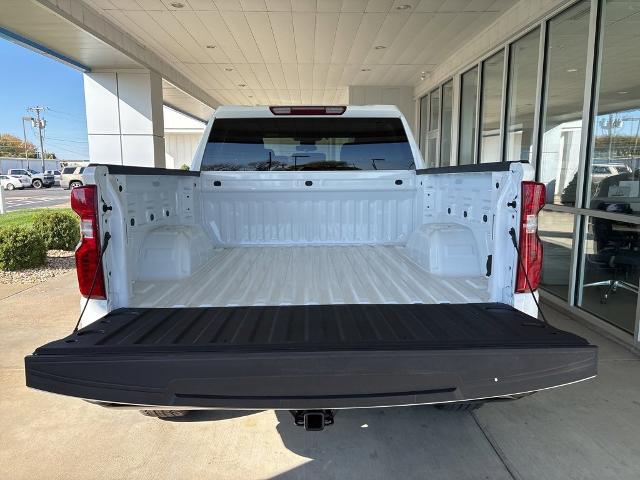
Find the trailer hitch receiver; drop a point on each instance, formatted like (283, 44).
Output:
(313, 420)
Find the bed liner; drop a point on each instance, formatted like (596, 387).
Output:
(310, 356)
(310, 274)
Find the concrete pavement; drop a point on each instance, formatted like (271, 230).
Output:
(588, 430)
(32, 198)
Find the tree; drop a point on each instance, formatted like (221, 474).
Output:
(12, 146)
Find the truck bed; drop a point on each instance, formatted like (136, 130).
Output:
(314, 356)
(309, 275)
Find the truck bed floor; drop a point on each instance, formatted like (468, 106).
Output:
(309, 275)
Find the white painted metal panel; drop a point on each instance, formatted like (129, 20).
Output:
(258, 208)
(310, 275)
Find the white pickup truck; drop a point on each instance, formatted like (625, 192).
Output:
(308, 262)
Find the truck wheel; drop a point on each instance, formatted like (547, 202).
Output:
(460, 406)
(73, 185)
(37, 184)
(10, 186)
(164, 413)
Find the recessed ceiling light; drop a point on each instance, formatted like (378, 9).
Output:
(365, 69)
(572, 70)
(241, 85)
(622, 92)
(380, 47)
(228, 69)
(406, 6)
(210, 46)
(177, 5)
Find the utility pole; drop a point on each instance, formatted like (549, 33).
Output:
(40, 123)
(24, 134)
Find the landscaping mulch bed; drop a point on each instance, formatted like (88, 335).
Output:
(58, 263)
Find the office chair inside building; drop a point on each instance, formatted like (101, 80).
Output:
(618, 251)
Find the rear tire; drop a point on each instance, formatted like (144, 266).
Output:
(37, 184)
(164, 413)
(460, 406)
(10, 186)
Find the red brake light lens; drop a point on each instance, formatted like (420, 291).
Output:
(84, 202)
(530, 245)
(308, 110)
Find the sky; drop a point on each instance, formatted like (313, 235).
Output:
(29, 79)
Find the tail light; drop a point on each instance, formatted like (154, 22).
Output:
(530, 246)
(84, 202)
(309, 110)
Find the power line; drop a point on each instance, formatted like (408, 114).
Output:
(67, 140)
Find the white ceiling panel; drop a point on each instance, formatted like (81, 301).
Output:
(261, 30)
(304, 27)
(277, 75)
(364, 39)
(325, 34)
(298, 51)
(278, 5)
(263, 76)
(291, 76)
(282, 29)
(239, 28)
(223, 39)
(346, 31)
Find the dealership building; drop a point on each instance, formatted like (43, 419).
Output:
(555, 83)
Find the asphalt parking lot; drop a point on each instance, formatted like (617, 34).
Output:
(589, 430)
(32, 198)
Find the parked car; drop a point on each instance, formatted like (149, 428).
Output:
(602, 171)
(56, 175)
(10, 183)
(309, 262)
(71, 177)
(31, 178)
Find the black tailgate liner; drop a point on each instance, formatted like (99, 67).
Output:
(308, 356)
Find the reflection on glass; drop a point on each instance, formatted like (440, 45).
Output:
(432, 135)
(523, 70)
(611, 271)
(556, 232)
(445, 136)
(562, 110)
(468, 100)
(615, 162)
(492, 70)
(424, 122)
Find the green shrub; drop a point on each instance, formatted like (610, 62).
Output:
(21, 248)
(59, 229)
(184, 166)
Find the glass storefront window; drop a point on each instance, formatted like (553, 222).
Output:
(523, 74)
(490, 108)
(445, 134)
(567, 42)
(556, 232)
(468, 101)
(611, 271)
(432, 135)
(424, 122)
(615, 161)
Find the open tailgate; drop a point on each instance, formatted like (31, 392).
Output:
(312, 356)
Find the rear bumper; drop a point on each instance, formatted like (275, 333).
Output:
(296, 380)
